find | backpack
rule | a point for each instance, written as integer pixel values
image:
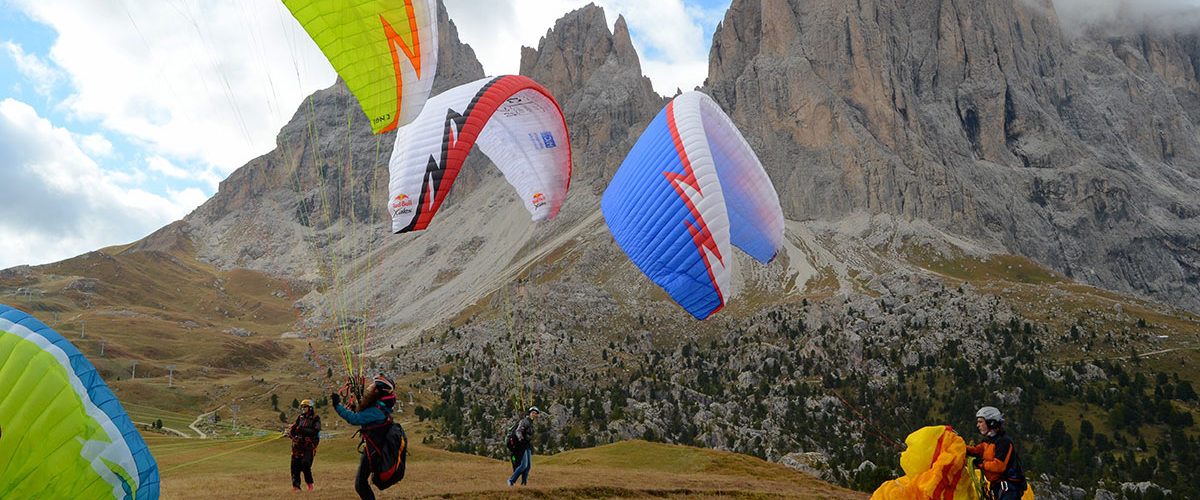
(513, 442)
(386, 448)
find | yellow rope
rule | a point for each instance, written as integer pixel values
(257, 442)
(194, 445)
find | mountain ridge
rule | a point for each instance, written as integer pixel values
(982, 118)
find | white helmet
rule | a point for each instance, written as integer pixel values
(991, 416)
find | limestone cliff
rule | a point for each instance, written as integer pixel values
(1080, 152)
(597, 78)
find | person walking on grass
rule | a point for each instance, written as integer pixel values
(997, 456)
(524, 435)
(372, 414)
(306, 435)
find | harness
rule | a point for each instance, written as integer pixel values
(386, 446)
(302, 445)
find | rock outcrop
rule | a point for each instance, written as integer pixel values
(597, 78)
(1079, 152)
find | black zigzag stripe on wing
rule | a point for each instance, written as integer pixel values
(435, 169)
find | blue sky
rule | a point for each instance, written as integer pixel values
(118, 117)
(672, 37)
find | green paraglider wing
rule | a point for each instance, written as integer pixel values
(63, 434)
(386, 51)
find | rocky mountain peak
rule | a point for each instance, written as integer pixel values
(578, 45)
(596, 76)
(983, 118)
(623, 46)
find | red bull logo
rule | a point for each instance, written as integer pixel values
(401, 204)
(539, 200)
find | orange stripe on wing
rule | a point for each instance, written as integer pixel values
(413, 55)
(941, 491)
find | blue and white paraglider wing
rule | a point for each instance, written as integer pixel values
(690, 187)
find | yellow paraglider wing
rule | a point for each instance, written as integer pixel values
(386, 51)
(934, 468)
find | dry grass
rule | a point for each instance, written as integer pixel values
(259, 469)
(824, 284)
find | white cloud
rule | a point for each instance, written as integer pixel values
(668, 34)
(497, 30)
(43, 75)
(206, 82)
(1119, 16)
(165, 167)
(186, 200)
(59, 203)
(674, 75)
(96, 145)
(674, 53)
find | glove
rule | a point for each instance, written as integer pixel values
(335, 398)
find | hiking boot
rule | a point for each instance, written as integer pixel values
(295, 488)
(509, 481)
(310, 487)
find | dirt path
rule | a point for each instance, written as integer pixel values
(168, 429)
(197, 422)
(1127, 356)
(1152, 353)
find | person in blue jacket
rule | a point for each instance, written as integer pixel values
(372, 411)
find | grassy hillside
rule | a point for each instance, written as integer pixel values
(763, 379)
(207, 341)
(257, 468)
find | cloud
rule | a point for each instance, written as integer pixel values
(669, 35)
(58, 203)
(1118, 16)
(96, 145)
(200, 82)
(211, 83)
(43, 75)
(674, 52)
(165, 167)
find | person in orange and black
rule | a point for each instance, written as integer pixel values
(306, 435)
(997, 456)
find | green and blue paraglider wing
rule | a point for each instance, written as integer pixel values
(63, 434)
